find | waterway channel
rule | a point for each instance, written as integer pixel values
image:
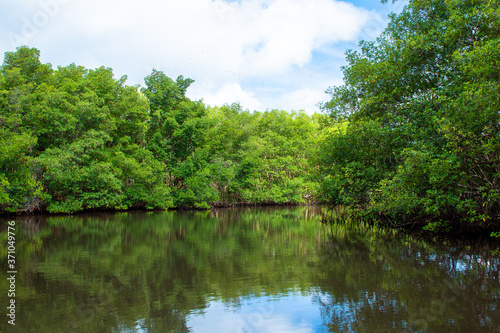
(259, 269)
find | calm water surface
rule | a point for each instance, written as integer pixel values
(243, 270)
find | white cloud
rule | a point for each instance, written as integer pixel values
(218, 43)
(303, 99)
(227, 94)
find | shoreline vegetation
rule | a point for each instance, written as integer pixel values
(411, 139)
(80, 140)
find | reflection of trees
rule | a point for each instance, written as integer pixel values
(381, 281)
(115, 272)
(103, 273)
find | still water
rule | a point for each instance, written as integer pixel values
(243, 270)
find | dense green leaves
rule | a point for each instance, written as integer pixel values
(422, 139)
(78, 139)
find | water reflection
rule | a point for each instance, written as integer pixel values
(289, 313)
(244, 270)
(391, 281)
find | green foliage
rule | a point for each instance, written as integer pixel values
(78, 177)
(74, 140)
(268, 154)
(420, 140)
(424, 182)
(79, 139)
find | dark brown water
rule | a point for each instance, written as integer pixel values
(242, 270)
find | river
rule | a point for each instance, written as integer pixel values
(262, 269)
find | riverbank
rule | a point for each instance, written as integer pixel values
(329, 215)
(421, 225)
(135, 208)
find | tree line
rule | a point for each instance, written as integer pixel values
(75, 139)
(420, 114)
(412, 137)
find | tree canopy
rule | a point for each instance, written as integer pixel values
(421, 111)
(75, 139)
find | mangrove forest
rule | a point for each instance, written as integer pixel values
(412, 137)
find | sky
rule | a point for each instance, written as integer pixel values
(263, 54)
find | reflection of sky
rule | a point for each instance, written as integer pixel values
(292, 313)
(463, 263)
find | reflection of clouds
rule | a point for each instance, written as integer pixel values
(291, 313)
(282, 324)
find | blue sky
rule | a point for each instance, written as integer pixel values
(264, 54)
